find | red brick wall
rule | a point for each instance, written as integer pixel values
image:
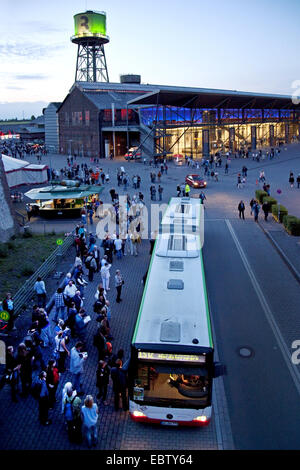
(78, 136)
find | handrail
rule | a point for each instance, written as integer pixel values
(25, 293)
(19, 214)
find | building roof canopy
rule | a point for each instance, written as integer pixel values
(204, 98)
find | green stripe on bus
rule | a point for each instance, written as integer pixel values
(204, 286)
(206, 303)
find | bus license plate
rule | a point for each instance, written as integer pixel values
(169, 423)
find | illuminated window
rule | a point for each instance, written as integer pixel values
(87, 118)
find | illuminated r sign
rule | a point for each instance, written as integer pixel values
(85, 23)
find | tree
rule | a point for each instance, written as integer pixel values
(32, 117)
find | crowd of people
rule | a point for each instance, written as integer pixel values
(20, 149)
(65, 342)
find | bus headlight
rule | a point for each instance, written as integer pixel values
(201, 419)
(138, 414)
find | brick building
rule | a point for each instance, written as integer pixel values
(99, 119)
(94, 119)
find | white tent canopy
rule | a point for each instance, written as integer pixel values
(19, 172)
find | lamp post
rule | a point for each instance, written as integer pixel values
(279, 192)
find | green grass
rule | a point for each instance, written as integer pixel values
(23, 258)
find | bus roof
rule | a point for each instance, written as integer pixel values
(174, 308)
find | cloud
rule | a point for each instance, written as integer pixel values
(41, 27)
(34, 76)
(28, 50)
(14, 88)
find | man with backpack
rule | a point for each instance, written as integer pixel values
(72, 415)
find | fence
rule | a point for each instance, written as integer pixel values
(25, 293)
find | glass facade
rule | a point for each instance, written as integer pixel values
(197, 132)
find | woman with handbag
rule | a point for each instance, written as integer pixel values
(119, 282)
(61, 351)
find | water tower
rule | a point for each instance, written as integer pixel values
(90, 36)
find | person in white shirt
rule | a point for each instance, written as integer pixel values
(105, 275)
(118, 247)
(40, 290)
(70, 291)
(103, 261)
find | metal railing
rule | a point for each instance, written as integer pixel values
(26, 292)
(21, 216)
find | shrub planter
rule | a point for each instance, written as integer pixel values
(269, 200)
(275, 208)
(260, 194)
(292, 225)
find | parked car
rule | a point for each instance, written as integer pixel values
(195, 181)
(133, 154)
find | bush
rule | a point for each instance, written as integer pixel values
(269, 200)
(292, 224)
(283, 211)
(27, 271)
(10, 245)
(27, 234)
(3, 250)
(260, 194)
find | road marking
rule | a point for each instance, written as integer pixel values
(267, 311)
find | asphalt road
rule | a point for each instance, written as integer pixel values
(254, 302)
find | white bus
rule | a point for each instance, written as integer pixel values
(172, 366)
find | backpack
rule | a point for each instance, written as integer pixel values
(68, 410)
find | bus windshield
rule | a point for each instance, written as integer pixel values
(171, 385)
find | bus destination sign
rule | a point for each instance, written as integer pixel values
(153, 356)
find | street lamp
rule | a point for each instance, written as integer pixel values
(279, 192)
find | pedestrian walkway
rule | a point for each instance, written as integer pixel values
(20, 428)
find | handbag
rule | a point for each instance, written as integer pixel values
(56, 353)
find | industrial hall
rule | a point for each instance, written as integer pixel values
(102, 119)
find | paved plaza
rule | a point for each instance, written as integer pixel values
(20, 428)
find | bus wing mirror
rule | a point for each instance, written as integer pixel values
(219, 369)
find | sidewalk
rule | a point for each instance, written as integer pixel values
(288, 246)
